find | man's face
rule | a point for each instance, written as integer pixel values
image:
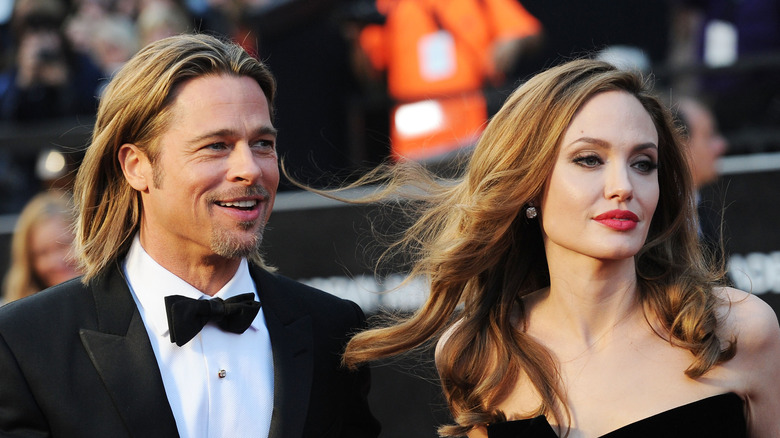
(705, 143)
(216, 175)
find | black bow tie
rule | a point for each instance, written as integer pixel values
(187, 316)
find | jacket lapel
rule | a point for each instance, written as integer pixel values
(121, 353)
(291, 341)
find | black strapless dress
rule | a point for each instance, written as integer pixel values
(720, 416)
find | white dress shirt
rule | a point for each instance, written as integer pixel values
(219, 384)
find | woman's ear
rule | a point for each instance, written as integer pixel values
(135, 166)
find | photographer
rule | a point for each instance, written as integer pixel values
(47, 79)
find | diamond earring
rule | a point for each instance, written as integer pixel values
(530, 212)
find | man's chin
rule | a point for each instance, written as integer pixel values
(236, 245)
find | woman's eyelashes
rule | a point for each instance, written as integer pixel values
(588, 160)
(643, 164)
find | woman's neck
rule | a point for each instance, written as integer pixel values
(588, 298)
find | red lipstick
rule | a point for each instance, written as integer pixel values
(620, 220)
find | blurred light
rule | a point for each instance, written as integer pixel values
(629, 58)
(6, 10)
(51, 164)
(418, 118)
(720, 44)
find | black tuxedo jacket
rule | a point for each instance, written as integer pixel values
(76, 361)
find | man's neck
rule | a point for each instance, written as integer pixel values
(208, 273)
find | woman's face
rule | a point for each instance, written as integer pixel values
(50, 247)
(603, 190)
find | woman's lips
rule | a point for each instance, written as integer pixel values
(621, 220)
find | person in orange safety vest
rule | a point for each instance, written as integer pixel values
(438, 55)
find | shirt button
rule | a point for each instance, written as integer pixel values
(221, 374)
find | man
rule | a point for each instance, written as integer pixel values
(438, 57)
(173, 195)
(705, 145)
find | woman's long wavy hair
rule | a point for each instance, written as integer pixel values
(474, 244)
(135, 108)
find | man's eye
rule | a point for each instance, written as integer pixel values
(265, 144)
(217, 146)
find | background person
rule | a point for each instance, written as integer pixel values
(705, 142)
(706, 146)
(438, 57)
(173, 195)
(587, 307)
(47, 79)
(42, 246)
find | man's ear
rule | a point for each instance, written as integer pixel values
(136, 166)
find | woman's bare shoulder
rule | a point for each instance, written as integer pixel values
(753, 323)
(747, 318)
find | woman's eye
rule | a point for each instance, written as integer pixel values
(645, 166)
(588, 161)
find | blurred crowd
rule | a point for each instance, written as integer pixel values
(361, 81)
(57, 54)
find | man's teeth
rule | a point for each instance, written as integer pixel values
(240, 204)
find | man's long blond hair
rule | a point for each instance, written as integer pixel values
(135, 108)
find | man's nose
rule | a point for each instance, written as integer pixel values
(243, 165)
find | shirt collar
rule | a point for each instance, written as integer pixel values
(151, 283)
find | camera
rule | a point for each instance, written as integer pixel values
(49, 55)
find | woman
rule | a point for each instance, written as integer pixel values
(41, 247)
(567, 257)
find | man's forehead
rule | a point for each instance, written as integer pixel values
(213, 101)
